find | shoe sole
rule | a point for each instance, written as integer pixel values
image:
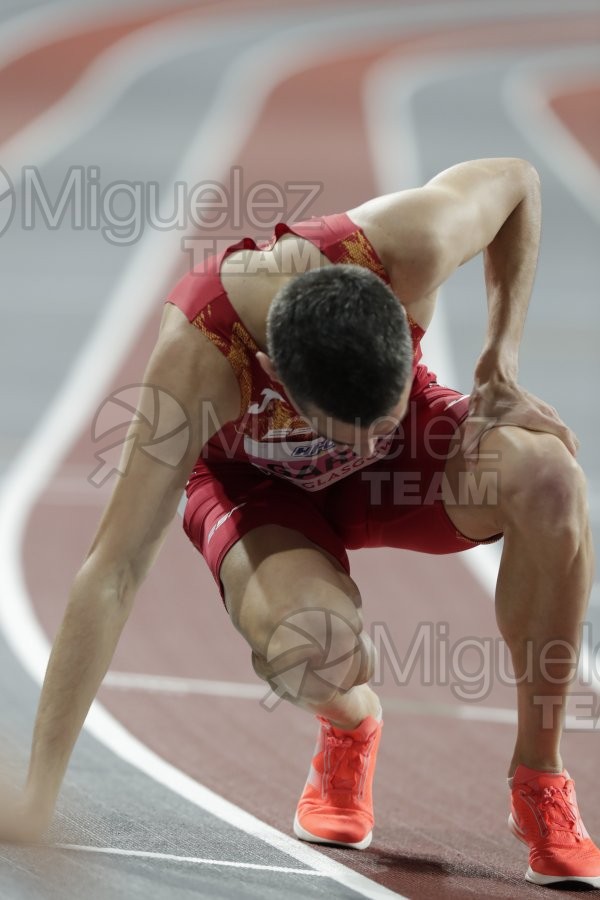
(305, 835)
(538, 878)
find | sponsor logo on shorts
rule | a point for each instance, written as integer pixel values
(221, 521)
(457, 400)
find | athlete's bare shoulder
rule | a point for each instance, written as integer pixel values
(198, 362)
(251, 278)
(398, 228)
(400, 241)
(424, 234)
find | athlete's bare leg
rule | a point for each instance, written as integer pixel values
(273, 577)
(545, 573)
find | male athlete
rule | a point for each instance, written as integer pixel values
(298, 364)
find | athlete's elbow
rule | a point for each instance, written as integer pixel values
(526, 174)
(114, 583)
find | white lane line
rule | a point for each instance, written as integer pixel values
(586, 720)
(100, 86)
(194, 860)
(169, 684)
(41, 26)
(245, 87)
(526, 97)
(121, 64)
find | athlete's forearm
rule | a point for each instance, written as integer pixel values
(97, 611)
(510, 262)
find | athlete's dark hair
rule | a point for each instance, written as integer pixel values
(339, 340)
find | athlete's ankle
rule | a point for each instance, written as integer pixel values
(538, 762)
(348, 710)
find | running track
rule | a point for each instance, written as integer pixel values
(362, 103)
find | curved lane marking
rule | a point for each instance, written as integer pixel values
(54, 434)
(193, 860)
(526, 98)
(578, 108)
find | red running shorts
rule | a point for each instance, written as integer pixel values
(395, 502)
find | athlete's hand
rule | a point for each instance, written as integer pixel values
(22, 820)
(494, 402)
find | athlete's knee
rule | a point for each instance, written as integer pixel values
(313, 651)
(306, 669)
(272, 612)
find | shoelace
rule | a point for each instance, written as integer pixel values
(345, 753)
(557, 811)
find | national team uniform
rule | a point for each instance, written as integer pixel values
(269, 467)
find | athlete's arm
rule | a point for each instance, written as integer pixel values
(423, 235)
(183, 365)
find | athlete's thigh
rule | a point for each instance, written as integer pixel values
(274, 571)
(473, 494)
(511, 461)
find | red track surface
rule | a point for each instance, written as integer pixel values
(579, 109)
(440, 795)
(39, 77)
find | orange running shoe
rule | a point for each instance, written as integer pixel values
(336, 806)
(544, 815)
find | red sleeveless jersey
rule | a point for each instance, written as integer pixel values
(268, 433)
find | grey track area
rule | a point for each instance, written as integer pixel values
(107, 803)
(54, 284)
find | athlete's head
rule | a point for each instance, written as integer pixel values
(339, 342)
